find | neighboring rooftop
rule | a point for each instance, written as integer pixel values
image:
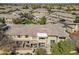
(41, 10)
(9, 15)
(75, 34)
(64, 14)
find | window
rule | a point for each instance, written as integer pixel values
(41, 44)
(18, 43)
(23, 45)
(27, 45)
(62, 37)
(52, 41)
(18, 36)
(41, 37)
(26, 36)
(34, 45)
(27, 41)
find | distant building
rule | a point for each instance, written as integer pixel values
(65, 15)
(9, 17)
(39, 13)
(71, 27)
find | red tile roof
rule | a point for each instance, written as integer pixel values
(75, 34)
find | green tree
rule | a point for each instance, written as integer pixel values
(24, 21)
(17, 21)
(6, 51)
(26, 15)
(35, 6)
(25, 7)
(62, 47)
(77, 19)
(42, 21)
(55, 49)
(40, 51)
(2, 20)
(27, 21)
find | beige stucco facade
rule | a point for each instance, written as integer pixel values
(8, 21)
(47, 40)
(45, 43)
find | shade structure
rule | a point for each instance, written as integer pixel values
(42, 35)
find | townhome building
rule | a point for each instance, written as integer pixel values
(37, 36)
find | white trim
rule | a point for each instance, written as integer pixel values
(42, 35)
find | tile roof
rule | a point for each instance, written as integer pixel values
(9, 16)
(54, 30)
(75, 34)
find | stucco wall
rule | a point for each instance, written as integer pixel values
(8, 20)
